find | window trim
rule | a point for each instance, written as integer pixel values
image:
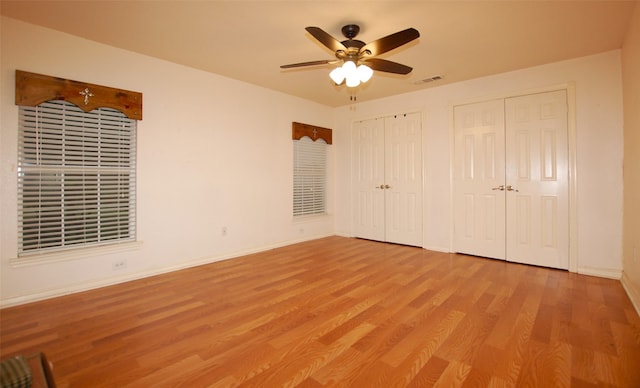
(309, 175)
(313, 132)
(33, 89)
(70, 254)
(85, 169)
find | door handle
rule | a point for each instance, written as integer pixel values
(387, 186)
(380, 187)
(509, 188)
(501, 188)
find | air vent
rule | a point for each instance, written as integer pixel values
(429, 79)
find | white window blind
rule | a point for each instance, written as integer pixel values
(76, 177)
(309, 176)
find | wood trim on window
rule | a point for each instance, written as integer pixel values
(312, 131)
(33, 89)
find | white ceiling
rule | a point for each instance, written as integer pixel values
(249, 40)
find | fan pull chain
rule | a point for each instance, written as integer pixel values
(353, 98)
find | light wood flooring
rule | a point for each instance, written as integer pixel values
(338, 312)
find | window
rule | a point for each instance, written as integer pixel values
(76, 177)
(309, 176)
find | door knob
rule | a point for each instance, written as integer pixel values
(509, 188)
(387, 186)
(501, 188)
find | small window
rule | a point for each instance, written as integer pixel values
(76, 177)
(309, 176)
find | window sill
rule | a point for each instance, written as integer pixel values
(73, 254)
(310, 217)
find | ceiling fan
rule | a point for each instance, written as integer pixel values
(359, 58)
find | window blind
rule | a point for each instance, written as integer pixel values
(76, 177)
(309, 177)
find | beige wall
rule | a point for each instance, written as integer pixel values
(631, 175)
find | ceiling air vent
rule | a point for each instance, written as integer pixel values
(429, 79)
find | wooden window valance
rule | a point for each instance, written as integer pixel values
(33, 89)
(313, 132)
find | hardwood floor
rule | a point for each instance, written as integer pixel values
(339, 312)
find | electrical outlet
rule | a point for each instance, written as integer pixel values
(119, 264)
(224, 231)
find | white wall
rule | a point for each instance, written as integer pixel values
(212, 152)
(631, 87)
(598, 88)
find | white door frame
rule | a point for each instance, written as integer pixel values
(573, 179)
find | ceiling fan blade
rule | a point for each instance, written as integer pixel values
(387, 66)
(390, 42)
(312, 63)
(329, 41)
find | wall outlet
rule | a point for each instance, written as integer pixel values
(223, 232)
(119, 264)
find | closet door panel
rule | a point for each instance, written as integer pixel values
(368, 172)
(478, 178)
(403, 183)
(537, 196)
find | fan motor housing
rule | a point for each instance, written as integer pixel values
(350, 31)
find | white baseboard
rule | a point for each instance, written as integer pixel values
(437, 249)
(633, 293)
(609, 273)
(53, 293)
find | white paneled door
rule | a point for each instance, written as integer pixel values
(511, 182)
(537, 179)
(368, 175)
(479, 174)
(388, 179)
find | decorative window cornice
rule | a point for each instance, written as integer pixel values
(33, 89)
(313, 132)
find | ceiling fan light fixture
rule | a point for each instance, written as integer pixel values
(349, 72)
(349, 68)
(337, 75)
(364, 73)
(352, 81)
(352, 74)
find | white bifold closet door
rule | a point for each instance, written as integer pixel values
(511, 181)
(387, 175)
